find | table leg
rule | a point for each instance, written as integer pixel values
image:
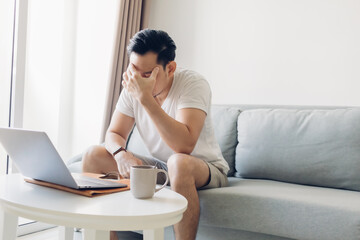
(8, 225)
(66, 233)
(154, 234)
(91, 234)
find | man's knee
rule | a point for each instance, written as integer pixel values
(180, 168)
(179, 162)
(91, 156)
(187, 170)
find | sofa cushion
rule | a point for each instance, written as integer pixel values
(282, 209)
(225, 121)
(74, 164)
(315, 147)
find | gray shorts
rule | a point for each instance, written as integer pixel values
(217, 178)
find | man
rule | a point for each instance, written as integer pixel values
(171, 109)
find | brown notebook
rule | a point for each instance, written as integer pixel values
(85, 192)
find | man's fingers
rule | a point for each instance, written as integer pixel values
(125, 173)
(154, 72)
(131, 69)
(128, 73)
(125, 76)
(122, 170)
(138, 161)
(125, 81)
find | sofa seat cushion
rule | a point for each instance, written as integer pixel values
(74, 164)
(315, 147)
(282, 209)
(216, 233)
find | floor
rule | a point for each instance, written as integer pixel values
(49, 234)
(53, 234)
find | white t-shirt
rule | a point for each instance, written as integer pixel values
(188, 90)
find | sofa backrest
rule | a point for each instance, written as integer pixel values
(225, 119)
(312, 145)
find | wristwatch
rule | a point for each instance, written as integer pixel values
(118, 150)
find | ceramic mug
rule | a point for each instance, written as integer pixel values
(143, 181)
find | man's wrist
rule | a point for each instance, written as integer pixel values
(145, 98)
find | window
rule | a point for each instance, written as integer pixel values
(6, 32)
(61, 70)
(69, 56)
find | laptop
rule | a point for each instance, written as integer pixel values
(36, 157)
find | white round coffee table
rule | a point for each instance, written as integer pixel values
(97, 215)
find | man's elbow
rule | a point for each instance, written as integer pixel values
(185, 149)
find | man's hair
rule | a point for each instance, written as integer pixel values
(156, 41)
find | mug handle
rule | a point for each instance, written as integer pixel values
(167, 179)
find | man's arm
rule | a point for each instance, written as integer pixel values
(180, 134)
(116, 136)
(118, 131)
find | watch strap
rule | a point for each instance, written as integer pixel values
(118, 150)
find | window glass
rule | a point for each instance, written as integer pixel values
(68, 66)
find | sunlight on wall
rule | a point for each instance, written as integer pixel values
(268, 52)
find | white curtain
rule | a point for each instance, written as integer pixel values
(133, 17)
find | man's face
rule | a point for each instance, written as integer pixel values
(145, 64)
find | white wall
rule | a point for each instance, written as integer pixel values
(302, 52)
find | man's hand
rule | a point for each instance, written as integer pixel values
(124, 162)
(139, 87)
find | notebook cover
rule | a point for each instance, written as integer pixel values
(85, 192)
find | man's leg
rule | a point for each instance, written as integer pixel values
(98, 160)
(187, 174)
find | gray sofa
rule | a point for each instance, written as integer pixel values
(294, 174)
